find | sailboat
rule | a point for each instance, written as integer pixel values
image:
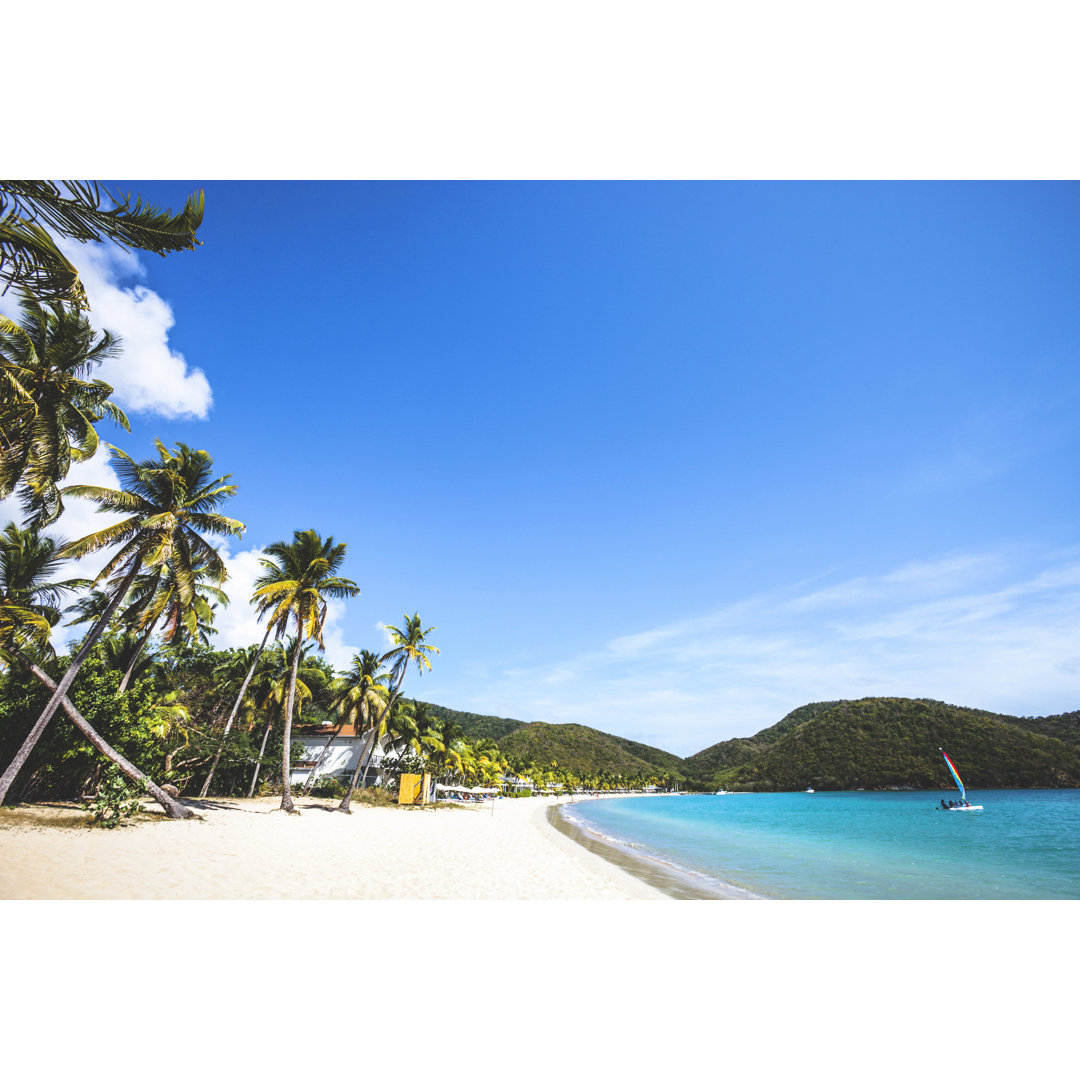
(959, 784)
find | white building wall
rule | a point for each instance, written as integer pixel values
(344, 753)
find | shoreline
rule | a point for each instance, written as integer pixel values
(675, 882)
(239, 849)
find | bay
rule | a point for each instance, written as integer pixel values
(851, 845)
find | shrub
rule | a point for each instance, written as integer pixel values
(116, 799)
(327, 787)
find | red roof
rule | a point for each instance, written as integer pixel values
(323, 731)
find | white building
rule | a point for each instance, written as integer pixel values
(344, 753)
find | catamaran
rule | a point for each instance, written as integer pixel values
(959, 784)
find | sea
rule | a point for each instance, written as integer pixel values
(847, 845)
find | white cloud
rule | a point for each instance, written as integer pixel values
(968, 629)
(148, 376)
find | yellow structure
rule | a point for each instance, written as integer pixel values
(410, 790)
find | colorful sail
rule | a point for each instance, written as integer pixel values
(955, 774)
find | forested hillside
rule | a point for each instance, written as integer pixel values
(893, 742)
(473, 725)
(830, 745)
(584, 749)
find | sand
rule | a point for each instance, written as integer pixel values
(249, 850)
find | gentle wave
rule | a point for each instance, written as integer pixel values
(639, 858)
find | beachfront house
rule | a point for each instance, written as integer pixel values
(344, 753)
(516, 783)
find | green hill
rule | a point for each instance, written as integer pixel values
(831, 745)
(584, 749)
(474, 725)
(893, 742)
(707, 764)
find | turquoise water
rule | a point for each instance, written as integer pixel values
(855, 845)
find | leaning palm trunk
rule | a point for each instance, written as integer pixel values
(370, 760)
(286, 747)
(258, 763)
(232, 716)
(171, 807)
(135, 659)
(61, 689)
(322, 757)
(367, 750)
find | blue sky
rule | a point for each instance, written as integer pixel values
(668, 459)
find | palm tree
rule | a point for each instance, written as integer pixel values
(273, 572)
(29, 597)
(29, 604)
(270, 690)
(83, 211)
(187, 613)
(409, 647)
(362, 689)
(89, 608)
(48, 405)
(169, 502)
(125, 654)
(454, 757)
(410, 727)
(305, 573)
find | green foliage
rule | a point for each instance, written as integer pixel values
(327, 787)
(891, 743)
(582, 750)
(473, 725)
(63, 764)
(33, 212)
(116, 799)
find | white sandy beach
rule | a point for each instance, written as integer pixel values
(248, 850)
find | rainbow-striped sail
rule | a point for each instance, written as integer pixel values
(955, 774)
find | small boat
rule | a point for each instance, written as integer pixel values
(723, 792)
(809, 791)
(960, 784)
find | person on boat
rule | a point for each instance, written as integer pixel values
(943, 806)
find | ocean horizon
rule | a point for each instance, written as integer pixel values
(844, 845)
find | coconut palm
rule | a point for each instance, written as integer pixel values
(124, 653)
(454, 758)
(286, 666)
(304, 574)
(169, 503)
(361, 691)
(410, 727)
(409, 646)
(90, 607)
(187, 614)
(29, 600)
(48, 404)
(273, 573)
(28, 563)
(32, 212)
